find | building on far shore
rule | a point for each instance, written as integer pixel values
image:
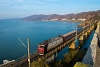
(81, 19)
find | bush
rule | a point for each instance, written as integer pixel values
(39, 63)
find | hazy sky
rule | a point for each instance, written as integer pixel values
(23, 8)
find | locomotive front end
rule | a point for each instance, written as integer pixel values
(41, 49)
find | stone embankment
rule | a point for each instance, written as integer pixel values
(97, 59)
(92, 56)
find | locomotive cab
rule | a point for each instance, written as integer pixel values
(41, 49)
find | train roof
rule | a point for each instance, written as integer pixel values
(53, 39)
(68, 33)
(50, 40)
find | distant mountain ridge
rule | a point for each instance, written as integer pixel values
(68, 17)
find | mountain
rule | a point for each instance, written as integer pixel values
(68, 17)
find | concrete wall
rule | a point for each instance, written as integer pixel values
(90, 56)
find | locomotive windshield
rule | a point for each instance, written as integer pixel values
(41, 46)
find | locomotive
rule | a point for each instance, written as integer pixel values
(47, 45)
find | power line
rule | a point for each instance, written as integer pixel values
(22, 43)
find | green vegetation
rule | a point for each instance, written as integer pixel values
(79, 64)
(70, 55)
(59, 63)
(39, 63)
(77, 58)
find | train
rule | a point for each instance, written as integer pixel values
(47, 45)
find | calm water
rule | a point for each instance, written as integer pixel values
(10, 31)
(88, 42)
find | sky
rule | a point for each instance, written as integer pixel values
(23, 8)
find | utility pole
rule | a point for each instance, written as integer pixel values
(83, 29)
(76, 33)
(28, 52)
(90, 24)
(27, 49)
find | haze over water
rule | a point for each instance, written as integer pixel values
(11, 48)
